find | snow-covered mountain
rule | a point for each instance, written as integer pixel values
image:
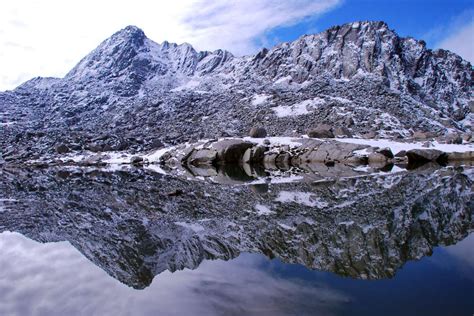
(132, 93)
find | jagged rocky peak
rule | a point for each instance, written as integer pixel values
(130, 54)
(340, 51)
(371, 48)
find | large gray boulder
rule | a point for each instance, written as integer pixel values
(254, 154)
(342, 132)
(329, 152)
(231, 150)
(465, 156)
(258, 132)
(426, 155)
(321, 131)
(453, 139)
(204, 156)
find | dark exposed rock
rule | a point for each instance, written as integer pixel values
(231, 150)
(465, 156)
(176, 192)
(254, 154)
(203, 156)
(258, 132)
(423, 135)
(136, 160)
(369, 135)
(62, 149)
(453, 139)
(387, 152)
(342, 132)
(321, 131)
(426, 155)
(401, 153)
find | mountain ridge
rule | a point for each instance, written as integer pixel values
(386, 84)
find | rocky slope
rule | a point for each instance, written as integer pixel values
(135, 224)
(133, 94)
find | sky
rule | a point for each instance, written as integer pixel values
(48, 37)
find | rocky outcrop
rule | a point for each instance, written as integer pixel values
(238, 151)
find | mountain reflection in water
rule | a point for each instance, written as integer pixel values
(138, 224)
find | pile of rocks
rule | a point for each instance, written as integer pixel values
(302, 151)
(298, 153)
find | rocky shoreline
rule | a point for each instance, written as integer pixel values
(245, 159)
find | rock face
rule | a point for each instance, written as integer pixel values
(137, 224)
(131, 93)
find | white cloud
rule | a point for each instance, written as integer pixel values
(55, 279)
(48, 38)
(457, 35)
(461, 42)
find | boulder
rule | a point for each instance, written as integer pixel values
(176, 192)
(231, 150)
(321, 131)
(156, 143)
(136, 160)
(348, 121)
(401, 153)
(465, 156)
(62, 149)
(467, 137)
(419, 135)
(425, 155)
(258, 132)
(282, 161)
(330, 151)
(369, 135)
(342, 132)
(94, 147)
(387, 152)
(453, 139)
(269, 160)
(254, 154)
(93, 161)
(376, 157)
(204, 156)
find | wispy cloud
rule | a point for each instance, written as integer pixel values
(55, 279)
(237, 25)
(461, 42)
(60, 33)
(457, 36)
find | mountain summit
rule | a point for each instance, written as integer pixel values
(133, 93)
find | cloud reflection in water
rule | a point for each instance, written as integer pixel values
(55, 279)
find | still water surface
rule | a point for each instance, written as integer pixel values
(55, 279)
(101, 242)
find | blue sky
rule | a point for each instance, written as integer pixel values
(48, 37)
